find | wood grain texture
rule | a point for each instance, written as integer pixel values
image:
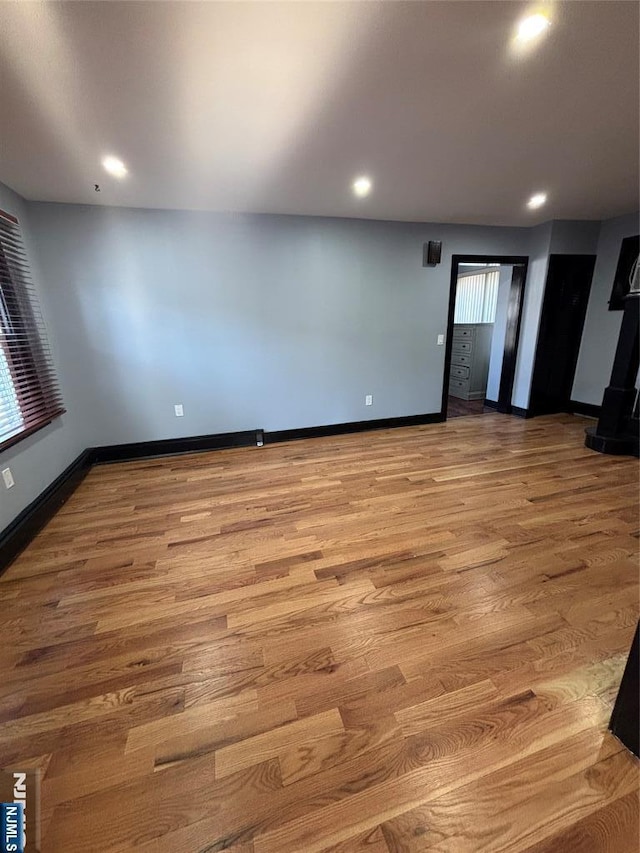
(401, 640)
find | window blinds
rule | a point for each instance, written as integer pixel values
(29, 393)
(477, 297)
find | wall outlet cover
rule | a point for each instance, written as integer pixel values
(440, 340)
(368, 400)
(7, 476)
(179, 410)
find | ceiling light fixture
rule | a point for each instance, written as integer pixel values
(536, 201)
(362, 186)
(532, 26)
(114, 166)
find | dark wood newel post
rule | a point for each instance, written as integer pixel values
(617, 429)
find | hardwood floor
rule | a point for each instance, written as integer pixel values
(458, 408)
(401, 640)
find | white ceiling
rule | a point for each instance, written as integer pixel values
(276, 107)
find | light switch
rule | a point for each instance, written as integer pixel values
(440, 340)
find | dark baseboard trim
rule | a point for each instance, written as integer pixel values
(503, 408)
(351, 426)
(24, 527)
(521, 413)
(18, 534)
(575, 407)
(172, 446)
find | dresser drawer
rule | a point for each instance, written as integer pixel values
(460, 359)
(456, 384)
(462, 332)
(459, 371)
(461, 346)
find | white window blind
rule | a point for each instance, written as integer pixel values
(10, 415)
(477, 297)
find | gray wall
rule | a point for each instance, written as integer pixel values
(574, 238)
(499, 330)
(538, 251)
(248, 321)
(36, 461)
(602, 326)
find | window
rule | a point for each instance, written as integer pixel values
(29, 395)
(477, 297)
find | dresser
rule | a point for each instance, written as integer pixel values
(470, 360)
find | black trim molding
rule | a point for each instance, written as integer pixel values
(520, 264)
(503, 408)
(171, 446)
(590, 410)
(573, 407)
(24, 527)
(521, 413)
(352, 426)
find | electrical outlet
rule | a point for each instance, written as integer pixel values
(440, 340)
(368, 400)
(7, 476)
(179, 410)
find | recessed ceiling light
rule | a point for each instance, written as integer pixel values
(532, 26)
(114, 166)
(537, 200)
(362, 186)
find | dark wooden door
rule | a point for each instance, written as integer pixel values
(563, 311)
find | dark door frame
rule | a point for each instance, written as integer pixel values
(515, 305)
(548, 356)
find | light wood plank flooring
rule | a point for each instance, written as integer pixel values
(457, 408)
(401, 640)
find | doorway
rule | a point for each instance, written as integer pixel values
(561, 324)
(485, 311)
